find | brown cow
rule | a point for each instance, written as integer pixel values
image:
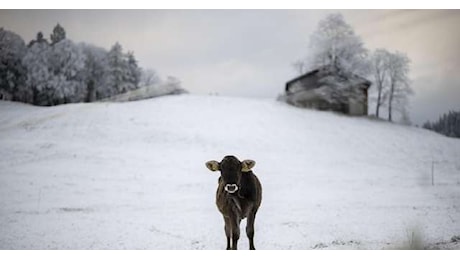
(238, 196)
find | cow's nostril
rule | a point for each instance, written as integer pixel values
(231, 188)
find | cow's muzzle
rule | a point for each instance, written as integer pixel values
(231, 188)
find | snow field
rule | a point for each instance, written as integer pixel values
(132, 176)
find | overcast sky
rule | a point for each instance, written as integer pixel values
(250, 52)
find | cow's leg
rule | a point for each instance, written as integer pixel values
(228, 231)
(235, 232)
(250, 229)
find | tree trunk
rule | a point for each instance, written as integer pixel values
(34, 96)
(378, 102)
(90, 95)
(380, 81)
(390, 102)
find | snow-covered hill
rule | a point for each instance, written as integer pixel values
(132, 176)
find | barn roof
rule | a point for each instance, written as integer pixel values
(328, 71)
(310, 73)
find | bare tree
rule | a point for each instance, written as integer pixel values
(391, 80)
(399, 83)
(149, 78)
(379, 61)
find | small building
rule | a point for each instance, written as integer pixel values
(327, 88)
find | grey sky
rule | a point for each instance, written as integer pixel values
(249, 52)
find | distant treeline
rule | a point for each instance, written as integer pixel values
(57, 71)
(447, 124)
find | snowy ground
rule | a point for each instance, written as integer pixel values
(132, 176)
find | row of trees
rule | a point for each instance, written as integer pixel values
(447, 124)
(335, 43)
(390, 77)
(60, 71)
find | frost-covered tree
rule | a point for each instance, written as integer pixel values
(148, 78)
(66, 63)
(399, 83)
(134, 72)
(54, 73)
(339, 56)
(118, 68)
(38, 39)
(58, 34)
(335, 43)
(172, 85)
(39, 76)
(124, 73)
(63, 72)
(12, 71)
(96, 73)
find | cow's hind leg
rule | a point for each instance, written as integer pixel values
(228, 231)
(250, 229)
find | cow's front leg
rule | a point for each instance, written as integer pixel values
(235, 232)
(228, 231)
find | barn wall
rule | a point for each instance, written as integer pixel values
(356, 108)
(299, 94)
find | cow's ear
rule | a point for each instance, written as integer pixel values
(247, 165)
(213, 165)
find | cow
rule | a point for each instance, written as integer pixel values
(238, 196)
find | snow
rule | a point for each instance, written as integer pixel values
(132, 176)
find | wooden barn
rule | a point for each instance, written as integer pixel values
(326, 88)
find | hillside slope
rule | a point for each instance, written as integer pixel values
(132, 176)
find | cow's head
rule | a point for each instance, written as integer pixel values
(231, 170)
